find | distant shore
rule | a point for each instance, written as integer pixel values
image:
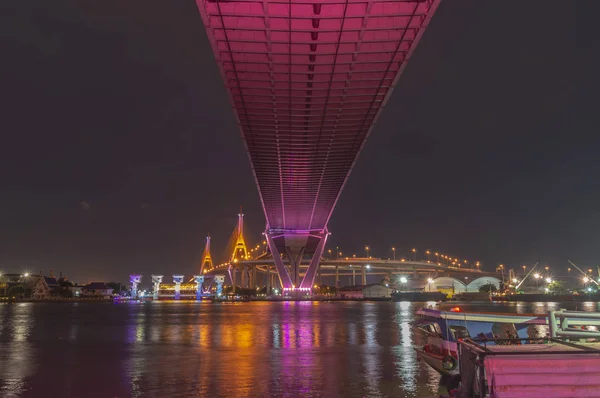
(408, 298)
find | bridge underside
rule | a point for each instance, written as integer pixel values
(307, 79)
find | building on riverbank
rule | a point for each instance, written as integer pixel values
(365, 292)
(45, 287)
(96, 289)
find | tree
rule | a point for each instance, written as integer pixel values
(556, 287)
(16, 291)
(115, 286)
(489, 288)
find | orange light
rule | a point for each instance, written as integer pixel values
(455, 309)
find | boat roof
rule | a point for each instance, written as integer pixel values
(534, 319)
(544, 348)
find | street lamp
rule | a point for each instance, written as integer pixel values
(329, 251)
(537, 276)
(428, 255)
(414, 254)
(367, 250)
(394, 252)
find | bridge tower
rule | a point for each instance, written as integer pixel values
(207, 262)
(240, 250)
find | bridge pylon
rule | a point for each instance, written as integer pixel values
(240, 251)
(207, 262)
(295, 245)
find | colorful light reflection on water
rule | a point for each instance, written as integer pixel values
(349, 349)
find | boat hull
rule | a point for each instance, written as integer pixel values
(435, 361)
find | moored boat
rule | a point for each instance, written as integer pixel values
(444, 329)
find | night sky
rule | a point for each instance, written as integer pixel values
(120, 151)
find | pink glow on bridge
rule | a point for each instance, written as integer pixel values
(307, 80)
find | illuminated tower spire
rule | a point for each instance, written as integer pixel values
(207, 262)
(239, 248)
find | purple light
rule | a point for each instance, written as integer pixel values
(302, 289)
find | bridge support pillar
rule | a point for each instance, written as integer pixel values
(177, 280)
(337, 277)
(219, 280)
(295, 244)
(234, 280)
(199, 281)
(268, 280)
(244, 277)
(135, 280)
(156, 281)
(363, 272)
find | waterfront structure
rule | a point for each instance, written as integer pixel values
(467, 284)
(96, 290)
(219, 280)
(45, 287)
(75, 290)
(308, 81)
(351, 292)
(135, 280)
(156, 281)
(376, 291)
(10, 283)
(199, 281)
(177, 280)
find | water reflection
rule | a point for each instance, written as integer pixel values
(183, 349)
(17, 361)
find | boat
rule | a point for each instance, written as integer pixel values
(444, 329)
(552, 368)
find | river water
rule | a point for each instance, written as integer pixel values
(189, 349)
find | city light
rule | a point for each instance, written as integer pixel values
(26, 274)
(429, 280)
(549, 280)
(368, 266)
(515, 280)
(403, 279)
(537, 276)
(586, 279)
